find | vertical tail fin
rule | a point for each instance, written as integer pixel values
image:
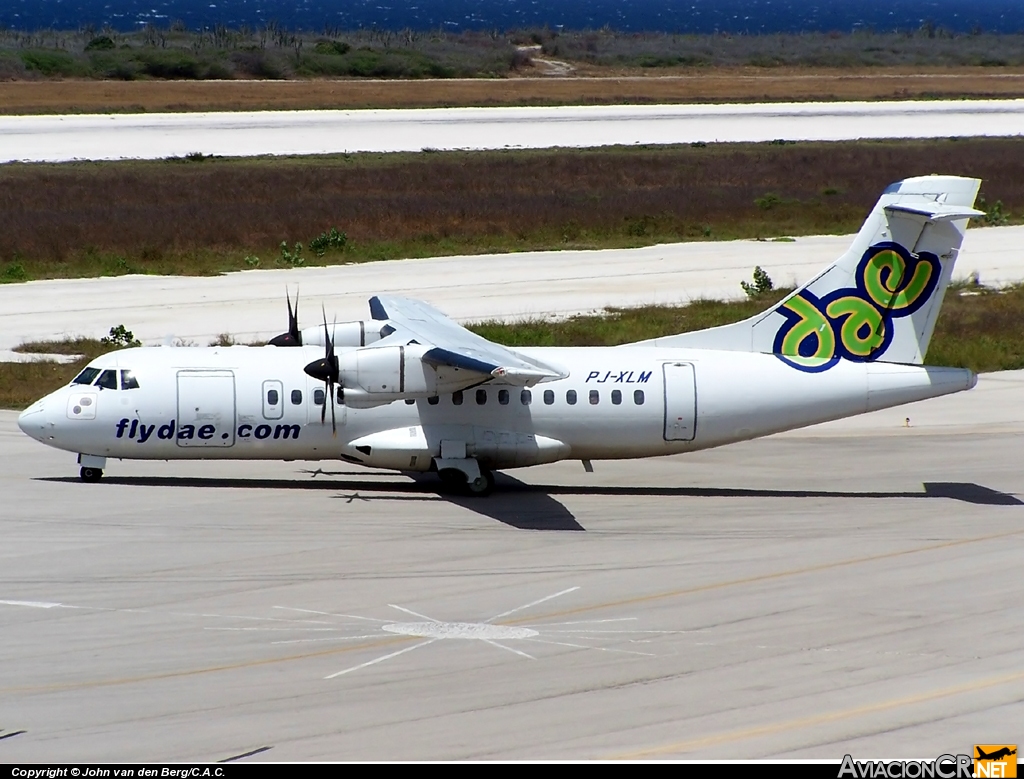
(880, 300)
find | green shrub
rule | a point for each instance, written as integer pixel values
(100, 43)
(768, 201)
(332, 48)
(120, 337)
(14, 271)
(293, 256)
(52, 63)
(762, 284)
(324, 242)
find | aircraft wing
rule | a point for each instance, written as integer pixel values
(453, 345)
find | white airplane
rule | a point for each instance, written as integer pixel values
(413, 391)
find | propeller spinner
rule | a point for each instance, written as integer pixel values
(294, 336)
(326, 370)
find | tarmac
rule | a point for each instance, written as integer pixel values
(850, 588)
(159, 135)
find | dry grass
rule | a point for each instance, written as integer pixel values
(198, 217)
(628, 85)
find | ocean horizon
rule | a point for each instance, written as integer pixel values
(691, 16)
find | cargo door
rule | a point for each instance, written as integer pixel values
(206, 408)
(680, 401)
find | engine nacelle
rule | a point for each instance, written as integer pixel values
(358, 333)
(385, 373)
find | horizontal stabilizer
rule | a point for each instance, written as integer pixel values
(935, 212)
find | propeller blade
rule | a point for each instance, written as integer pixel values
(326, 370)
(294, 336)
(334, 426)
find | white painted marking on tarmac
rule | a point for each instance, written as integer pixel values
(32, 604)
(480, 631)
(508, 649)
(533, 603)
(413, 613)
(330, 614)
(380, 659)
(328, 638)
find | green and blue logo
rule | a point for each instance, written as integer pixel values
(856, 323)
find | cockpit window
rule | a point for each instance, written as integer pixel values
(107, 380)
(86, 376)
(128, 381)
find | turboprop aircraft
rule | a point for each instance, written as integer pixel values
(411, 390)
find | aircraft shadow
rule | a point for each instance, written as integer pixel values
(532, 506)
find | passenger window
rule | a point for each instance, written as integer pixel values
(616, 397)
(638, 397)
(128, 381)
(503, 397)
(549, 397)
(296, 397)
(526, 397)
(86, 376)
(434, 400)
(570, 397)
(318, 397)
(272, 397)
(481, 397)
(595, 397)
(107, 380)
(457, 398)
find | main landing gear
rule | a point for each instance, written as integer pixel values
(482, 485)
(465, 474)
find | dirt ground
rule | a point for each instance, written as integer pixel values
(666, 86)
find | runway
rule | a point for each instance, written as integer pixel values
(155, 136)
(250, 304)
(848, 588)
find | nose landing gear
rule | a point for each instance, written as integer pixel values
(92, 467)
(91, 475)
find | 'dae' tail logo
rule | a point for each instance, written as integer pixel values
(995, 760)
(856, 323)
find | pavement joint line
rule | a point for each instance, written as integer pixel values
(757, 579)
(819, 719)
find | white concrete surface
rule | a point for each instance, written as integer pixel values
(801, 596)
(250, 304)
(154, 136)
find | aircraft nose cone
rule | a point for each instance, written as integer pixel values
(32, 420)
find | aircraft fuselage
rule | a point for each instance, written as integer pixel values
(258, 403)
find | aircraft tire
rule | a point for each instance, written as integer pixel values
(482, 486)
(91, 475)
